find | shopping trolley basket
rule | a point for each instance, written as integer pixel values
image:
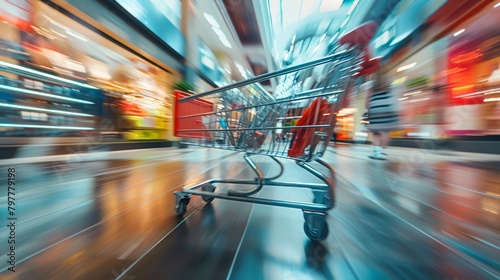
(244, 117)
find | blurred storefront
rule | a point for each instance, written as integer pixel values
(449, 87)
(58, 77)
(473, 75)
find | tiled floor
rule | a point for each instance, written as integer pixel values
(420, 215)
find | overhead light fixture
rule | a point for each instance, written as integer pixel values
(44, 126)
(406, 67)
(328, 6)
(222, 36)
(44, 110)
(334, 37)
(353, 6)
(57, 33)
(32, 92)
(413, 93)
(28, 70)
(77, 36)
(242, 70)
(322, 38)
(345, 21)
(497, 5)
(419, 100)
(459, 32)
(492, 99)
(65, 28)
(211, 20)
(219, 32)
(225, 42)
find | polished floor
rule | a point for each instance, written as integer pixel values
(423, 214)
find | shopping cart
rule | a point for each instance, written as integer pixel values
(245, 117)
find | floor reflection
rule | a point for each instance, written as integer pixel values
(399, 219)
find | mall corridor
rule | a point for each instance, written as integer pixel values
(250, 139)
(422, 215)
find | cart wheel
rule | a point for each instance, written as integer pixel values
(316, 234)
(208, 188)
(181, 206)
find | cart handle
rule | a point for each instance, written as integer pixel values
(267, 76)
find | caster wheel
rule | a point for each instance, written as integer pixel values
(181, 206)
(208, 188)
(316, 234)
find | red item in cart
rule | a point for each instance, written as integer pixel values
(315, 114)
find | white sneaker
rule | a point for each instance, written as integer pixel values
(381, 156)
(378, 154)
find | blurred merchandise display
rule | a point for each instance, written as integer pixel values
(59, 78)
(448, 88)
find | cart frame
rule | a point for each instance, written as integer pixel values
(346, 66)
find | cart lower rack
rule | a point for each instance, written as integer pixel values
(295, 123)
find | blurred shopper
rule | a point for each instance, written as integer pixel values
(383, 116)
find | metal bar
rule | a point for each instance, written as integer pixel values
(315, 172)
(296, 185)
(266, 182)
(282, 203)
(282, 168)
(269, 75)
(259, 180)
(280, 101)
(223, 181)
(255, 128)
(329, 180)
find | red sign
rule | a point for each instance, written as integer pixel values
(17, 12)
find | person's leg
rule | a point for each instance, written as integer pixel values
(378, 143)
(376, 139)
(384, 139)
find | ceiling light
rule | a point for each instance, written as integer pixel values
(353, 7)
(492, 99)
(44, 110)
(219, 32)
(497, 5)
(225, 42)
(459, 32)
(413, 93)
(32, 92)
(44, 126)
(334, 37)
(58, 33)
(211, 20)
(77, 36)
(330, 5)
(345, 21)
(419, 100)
(406, 67)
(322, 38)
